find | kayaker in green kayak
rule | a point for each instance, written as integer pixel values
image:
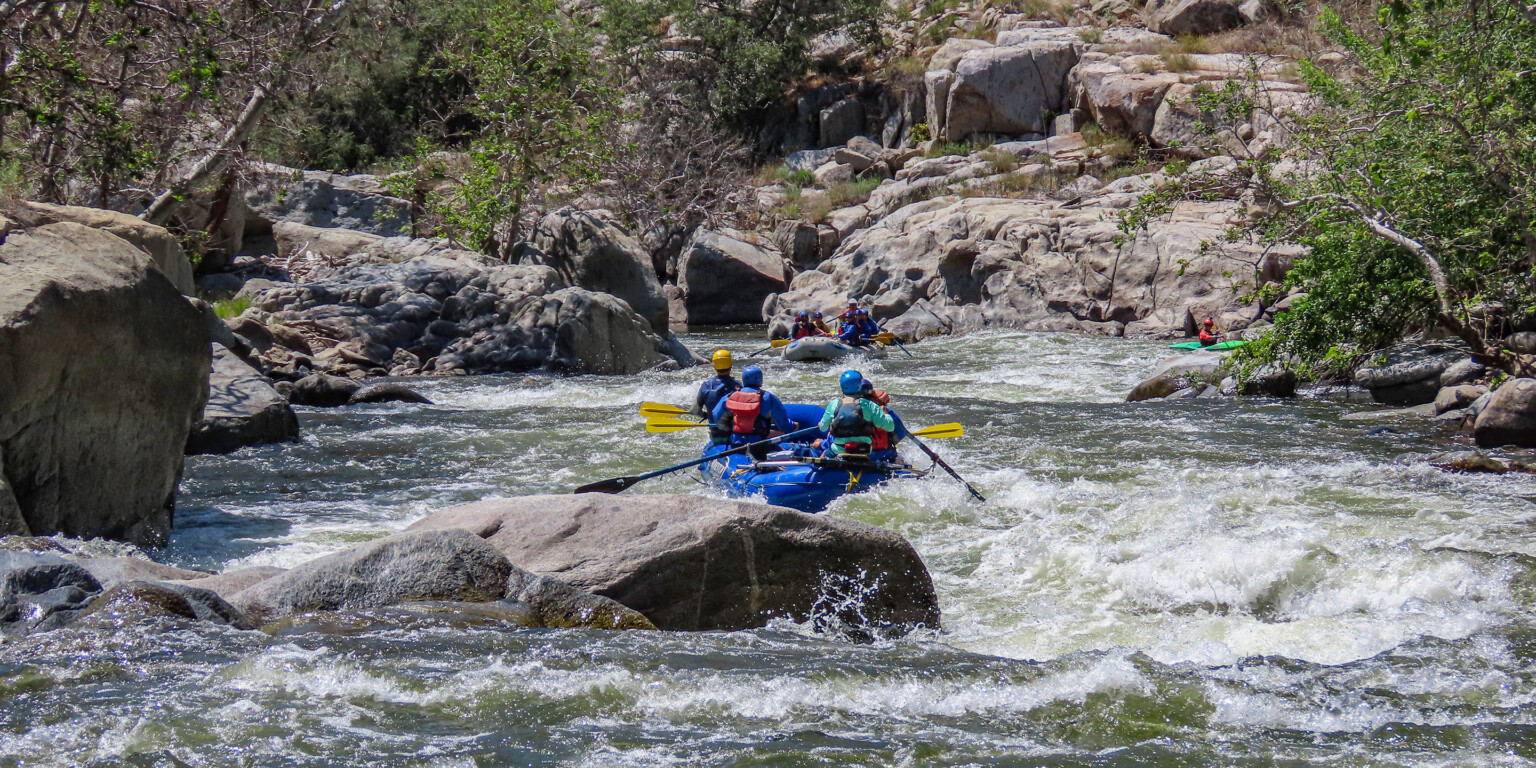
(851, 420)
(1208, 334)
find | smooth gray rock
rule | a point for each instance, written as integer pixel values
(406, 567)
(1465, 371)
(1194, 17)
(1409, 373)
(554, 603)
(387, 393)
(162, 247)
(1457, 397)
(591, 253)
(1509, 417)
(103, 370)
(725, 279)
(809, 159)
(1177, 373)
(242, 410)
(323, 390)
(226, 585)
(112, 571)
(696, 563)
(1270, 380)
(841, 121)
(1009, 90)
(327, 200)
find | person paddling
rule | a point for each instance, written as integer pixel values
(1208, 334)
(882, 444)
(821, 325)
(712, 391)
(851, 420)
(803, 327)
(751, 413)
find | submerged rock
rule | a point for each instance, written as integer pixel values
(41, 591)
(103, 371)
(135, 602)
(1178, 373)
(695, 563)
(387, 393)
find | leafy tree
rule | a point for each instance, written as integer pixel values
(1411, 175)
(731, 58)
(539, 105)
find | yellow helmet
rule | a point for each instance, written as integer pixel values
(722, 360)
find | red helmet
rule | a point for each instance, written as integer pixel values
(1209, 321)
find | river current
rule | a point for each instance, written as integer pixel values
(1187, 583)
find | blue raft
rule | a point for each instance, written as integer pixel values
(809, 485)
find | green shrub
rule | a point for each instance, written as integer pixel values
(945, 148)
(231, 308)
(795, 178)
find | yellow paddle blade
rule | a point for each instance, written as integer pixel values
(941, 431)
(776, 343)
(661, 409)
(884, 338)
(665, 424)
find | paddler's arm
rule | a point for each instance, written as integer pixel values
(878, 415)
(779, 414)
(714, 416)
(900, 431)
(826, 418)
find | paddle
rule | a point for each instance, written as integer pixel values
(886, 337)
(947, 467)
(614, 485)
(662, 424)
(662, 409)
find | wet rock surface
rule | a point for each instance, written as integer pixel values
(694, 563)
(243, 409)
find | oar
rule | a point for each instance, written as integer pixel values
(662, 424)
(947, 467)
(662, 409)
(775, 344)
(941, 431)
(668, 424)
(886, 337)
(617, 484)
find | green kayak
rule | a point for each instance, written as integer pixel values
(1219, 346)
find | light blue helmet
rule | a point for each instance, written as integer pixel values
(851, 382)
(752, 377)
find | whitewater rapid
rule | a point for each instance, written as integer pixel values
(1192, 582)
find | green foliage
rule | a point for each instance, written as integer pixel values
(229, 309)
(541, 104)
(1418, 208)
(920, 133)
(795, 178)
(945, 148)
(747, 52)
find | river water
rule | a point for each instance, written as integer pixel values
(1213, 582)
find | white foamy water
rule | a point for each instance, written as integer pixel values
(1191, 583)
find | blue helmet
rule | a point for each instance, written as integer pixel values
(752, 377)
(851, 382)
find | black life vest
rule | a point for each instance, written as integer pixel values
(849, 420)
(746, 408)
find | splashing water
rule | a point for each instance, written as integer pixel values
(1211, 582)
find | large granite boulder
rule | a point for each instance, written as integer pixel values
(103, 371)
(951, 265)
(1509, 417)
(1008, 89)
(163, 248)
(447, 312)
(589, 252)
(1120, 102)
(1194, 17)
(725, 279)
(242, 410)
(1177, 373)
(697, 563)
(1409, 373)
(320, 199)
(406, 567)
